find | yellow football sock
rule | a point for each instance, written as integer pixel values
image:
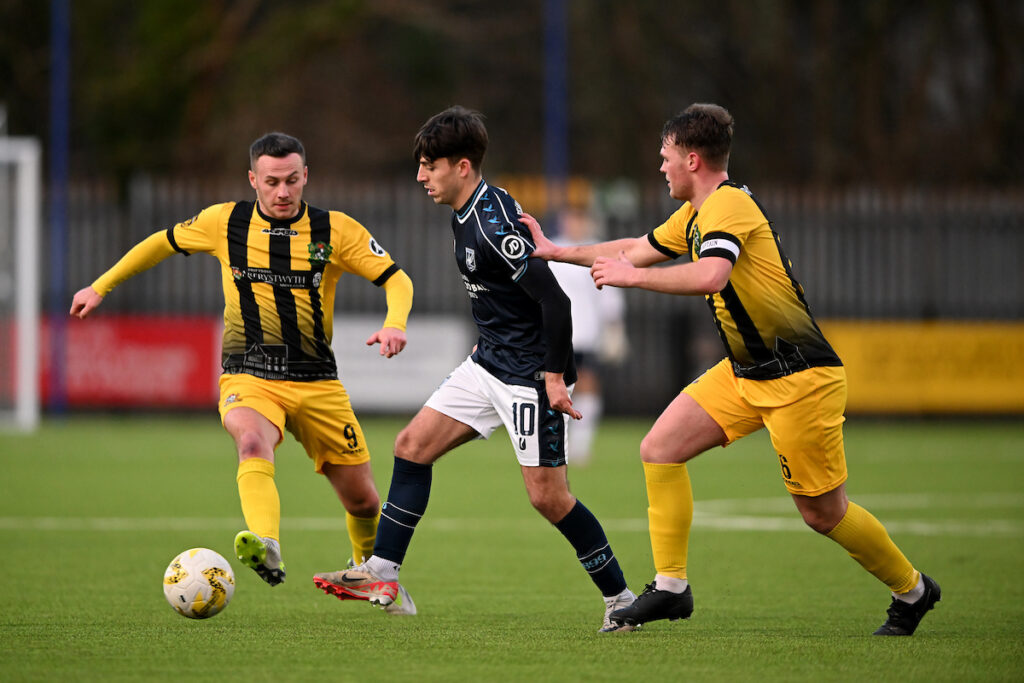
(669, 515)
(261, 505)
(868, 542)
(362, 531)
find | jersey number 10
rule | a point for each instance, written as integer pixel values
(524, 417)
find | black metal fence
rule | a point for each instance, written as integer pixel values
(864, 253)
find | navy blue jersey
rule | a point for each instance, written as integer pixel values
(492, 249)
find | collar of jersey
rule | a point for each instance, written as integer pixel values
(463, 213)
(283, 221)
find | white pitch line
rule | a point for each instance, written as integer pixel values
(701, 520)
(989, 527)
(872, 501)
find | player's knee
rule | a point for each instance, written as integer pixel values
(647, 449)
(655, 451)
(404, 444)
(822, 521)
(822, 513)
(553, 507)
(545, 506)
(409, 444)
(252, 445)
(366, 505)
(364, 501)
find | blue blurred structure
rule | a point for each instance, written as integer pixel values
(56, 249)
(556, 104)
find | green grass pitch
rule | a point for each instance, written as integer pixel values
(93, 508)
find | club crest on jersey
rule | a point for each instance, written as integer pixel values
(319, 252)
(513, 247)
(236, 272)
(695, 239)
(470, 259)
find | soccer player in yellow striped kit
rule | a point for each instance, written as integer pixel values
(280, 264)
(779, 373)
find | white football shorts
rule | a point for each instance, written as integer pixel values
(477, 398)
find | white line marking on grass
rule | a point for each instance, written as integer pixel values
(118, 523)
(872, 501)
(990, 527)
(703, 519)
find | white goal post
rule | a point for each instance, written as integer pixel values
(20, 226)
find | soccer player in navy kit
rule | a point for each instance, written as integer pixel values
(519, 375)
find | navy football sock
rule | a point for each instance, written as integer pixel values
(595, 554)
(407, 501)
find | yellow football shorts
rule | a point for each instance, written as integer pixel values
(803, 413)
(318, 414)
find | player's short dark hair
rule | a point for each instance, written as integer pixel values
(705, 129)
(275, 145)
(456, 133)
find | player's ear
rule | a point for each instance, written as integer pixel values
(252, 179)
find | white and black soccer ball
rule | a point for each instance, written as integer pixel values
(199, 583)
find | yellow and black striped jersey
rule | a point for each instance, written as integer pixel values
(279, 279)
(761, 314)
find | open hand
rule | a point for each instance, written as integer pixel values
(544, 248)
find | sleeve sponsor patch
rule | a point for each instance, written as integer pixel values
(376, 249)
(513, 247)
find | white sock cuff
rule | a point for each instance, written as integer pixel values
(912, 595)
(670, 584)
(385, 569)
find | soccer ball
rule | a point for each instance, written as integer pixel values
(199, 583)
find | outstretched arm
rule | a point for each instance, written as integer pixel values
(391, 336)
(637, 249)
(142, 256)
(705, 276)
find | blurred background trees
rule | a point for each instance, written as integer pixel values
(881, 92)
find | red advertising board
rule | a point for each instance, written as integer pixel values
(128, 361)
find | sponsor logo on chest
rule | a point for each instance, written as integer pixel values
(279, 232)
(295, 279)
